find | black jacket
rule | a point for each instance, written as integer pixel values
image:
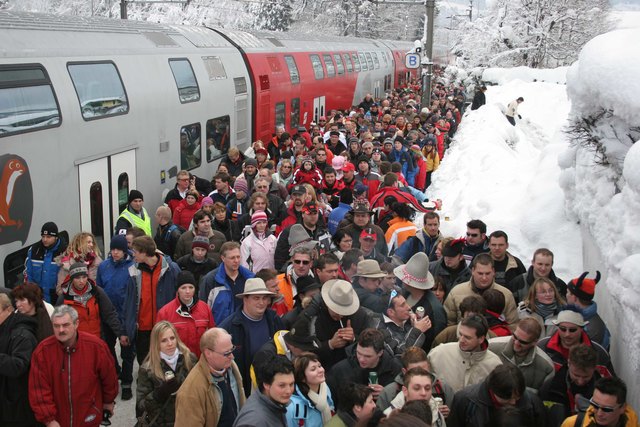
(17, 342)
(234, 324)
(472, 407)
(450, 277)
(478, 100)
(199, 269)
(167, 237)
(521, 284)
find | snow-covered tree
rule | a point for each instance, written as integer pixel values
(273, 15)
(535, 33)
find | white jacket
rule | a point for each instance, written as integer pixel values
(512, 108)
(260, 251)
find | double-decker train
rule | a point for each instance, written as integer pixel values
(91, 108)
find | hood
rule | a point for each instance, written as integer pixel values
(20, 321)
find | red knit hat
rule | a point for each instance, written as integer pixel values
(257, 217)
(584, 288)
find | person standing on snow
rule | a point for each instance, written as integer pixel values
(512, 110)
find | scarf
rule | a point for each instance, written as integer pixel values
(546, 310)
(171, 359)
(321, 403)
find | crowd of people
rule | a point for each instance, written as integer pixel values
(298, 288)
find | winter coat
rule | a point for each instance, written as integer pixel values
(302, 412)
(17, 343)
(219, 292)
(292, 217)
(452, 334)
(451, 278)
(261, 411)
(285, 286)
(404, 158)
(235, 325)
(108, 317)
(520, 285)
(167, 237)
(377, 203)
(256, 253)
(548, 328)
(628, 419)
(312, 177)
(459, 292)
(508, 269)
(398, 338)
(190, 324)
(216, 239)
(165, 291)
(333, 192)
(399, 400)
(341, 419)
(113, 277)
(235, 169)
(230, 228)
(459, 368)
(559, 355)
(336, 216)
(421, 242)
(148, 400)
(479, 99)
(596, 329)
(199, 399)
(420, 181)
(439, 389)
(473, 407)
(173, 198)
(319, 234)
(216, 196)
(470, 251)
(559, 393)
(399, 231)
(536, 367)
(41, 268)
(434, 309)
(368, 299)
(71, 385)
(432, 161)
(512, 109)
(236, 207)
(199, 269)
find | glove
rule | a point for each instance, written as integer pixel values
(519, 116)
(166, 389)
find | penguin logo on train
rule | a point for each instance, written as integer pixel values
(16, 199)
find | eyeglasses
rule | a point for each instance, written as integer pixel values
(301, 261)
(565, 329)
(521, 341)
(606, 409)
(393, 294)
(226, 353)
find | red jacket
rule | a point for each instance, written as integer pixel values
(301, 176)
(90, 371)
(183, 215)
(292, 217)
(401, 196)
(421, 176)
(190, 326)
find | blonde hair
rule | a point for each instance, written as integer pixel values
(78, 245)
(153, 362)
(311, 192)
(530, 300)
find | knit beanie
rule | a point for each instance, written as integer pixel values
(257, 217)
(119, 241)
(241, 185)
(200, 242)
(186, 277)
(134, 194)
(207, 201)
(49, 229)
(78, 269)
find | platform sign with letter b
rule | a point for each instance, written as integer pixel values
(412, 60)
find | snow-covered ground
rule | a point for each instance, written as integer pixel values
(530, 182)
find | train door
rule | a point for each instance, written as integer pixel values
(318, 108)
(376, 89)
(104, 188)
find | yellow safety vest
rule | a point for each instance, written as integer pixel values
(136, 221)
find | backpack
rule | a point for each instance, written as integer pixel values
(172, 227)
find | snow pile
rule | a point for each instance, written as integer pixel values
(508, 176)
(503, 75)
(601, 180)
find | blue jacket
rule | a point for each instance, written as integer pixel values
(596, 329)
(235, 325)
(113, 277)
(404, 158)
(421, 242)
(219, 292)
(336, 216)
(165, 291)
(302, 412)
(41, 267)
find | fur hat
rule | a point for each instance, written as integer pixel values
(584, 288)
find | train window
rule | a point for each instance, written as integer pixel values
(99, 89)
(348, 63)
(318, 71)
(186, 82)
(218, 137)
(363, 61)
(240, 84)
(274, 63)
(214, 67)
(295, 113)
(339, 64)
(293, 69)
(27, 100)
(328, 62)
(190, 156)
(356, 61)
(280, 112)
(384, 59)
(123, 191)
(375, 59)
(369, 60)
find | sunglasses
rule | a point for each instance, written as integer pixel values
(565, 329)
(606, 409)
(521, 341)
(472, 234)
(393, 294)
(226, 353)
(301, 261)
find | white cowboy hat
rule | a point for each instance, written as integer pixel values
(415, 272)
(340, 297)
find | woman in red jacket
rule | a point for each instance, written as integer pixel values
(190, 316)
(183, 215)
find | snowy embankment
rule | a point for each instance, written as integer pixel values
(604, 195)
(508, 176)
(503, 75)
